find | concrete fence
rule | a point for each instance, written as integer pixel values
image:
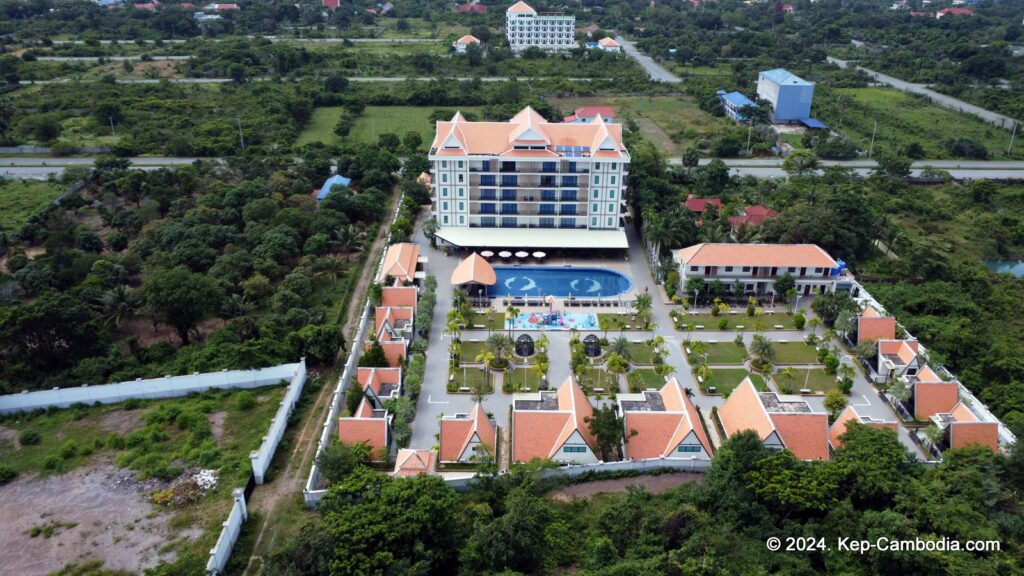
(221, 552)
(166, 387)
(314, 491)
(261, 458)
(695, 465)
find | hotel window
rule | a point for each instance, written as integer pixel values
(594, 208)
(597, 179)
(460, 163)
(688, 449)
(460, 179)
(694, 268)
(508, 194)
(613, 179)
(444, 206)
(462, 206)
(596, 193)
(445, 219)
(462, 192)
(611, 221)
(549, 167)
(611, 193)
(444, 192)
(509, 180)
(509, 208)
(508, 222)
(488, 180)
(568, 209)
(549, 195)
(444, 177)
(593, 221)
(569, 195)
(728, 268)
(574, 449)
(547, 222)
(487, 208)
(611, 207)
(746, 268)
(567, 223)
(444, 163)
(569, 181)
(597, 165)
(791, 270)
(615, 166)
(547, 208)
(462, 219)
(487, 221)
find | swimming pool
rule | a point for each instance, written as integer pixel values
(561, 281)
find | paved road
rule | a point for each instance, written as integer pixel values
(940, 99)
(36, 168)
(275, 78)
(109, 58)
(657, 72)
(958, 169)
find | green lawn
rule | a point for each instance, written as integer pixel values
(794, 353)
(723, 353)
(644, 378)
(611, 321)
(598, 378)
(641, 354)
(20, 199)
(815, 379)
(726, 379)
(375, 120)
(472, 378)
(519, 378)
(904, 118)
(709, 322)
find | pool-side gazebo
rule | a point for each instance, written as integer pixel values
(474, 275)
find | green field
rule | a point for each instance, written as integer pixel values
(598, 378)
(724, 353)
(376, 120)
(644, 378)
(815, 379)
(20, 199)
(904, 118)
(794, 353)
(769, 322)
(517, 379)
(472, 378)
(726, 379)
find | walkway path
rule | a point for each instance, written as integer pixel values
(656, 71)
(940, 99)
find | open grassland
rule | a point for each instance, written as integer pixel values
(903, 119)
(814, 379)
(376, 120)
(20, 199)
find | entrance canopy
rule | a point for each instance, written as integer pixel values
(474, 270)
(531, 238)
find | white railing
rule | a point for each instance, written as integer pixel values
(166, 387)
(221, 552)
(261, 458)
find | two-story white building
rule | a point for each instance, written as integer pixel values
(566, 183)
(526, 27)
(757, 266)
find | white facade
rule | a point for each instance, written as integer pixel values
(756, 267)
(525, 28)
(761, 279)
(575, 451)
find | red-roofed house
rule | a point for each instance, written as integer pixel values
(550, 425)
(587, 114)
(931, 395)
(149, 6)
(780, 421)
(897, 358)
(788, 8)
(922, 14)
(873, 326)
(464, 437)
(700, 205)
(663, 424)
(415, 462)
(954, 11)
(472, 8)
(850, 414)
(371, 423)
(401, 296)
(400, 263)
(589, 29)
(332, 4)
(752, 216)
(609, 45)
(962, 427)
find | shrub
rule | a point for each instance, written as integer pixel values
(845, 385)
(723, 323)
(69, 449)
(53, 463)
(29, 438)
(131, 404)
(831, 364)
(7, 473)
(799, 321)
(245, 401)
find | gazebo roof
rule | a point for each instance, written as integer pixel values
(474, 270)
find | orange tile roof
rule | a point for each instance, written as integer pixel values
(964, 434)
(391, 314)
(926, 374)
(904, 350)
(608, 43)
(873, 326)
(458, 137)
(414, 462)
(400, 262)
(961, 413)
(743, 410)
(659, 433)
(372, 431)
(398, 296)
(849, 414)
(521, 8)
(795, 255)
(541, 433)
(468, 39)
(474, 269)
(374, 378)
(932, 398)
(804, 433)
(457, 433)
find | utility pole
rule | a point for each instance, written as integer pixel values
(113, 133)
(1014, 134)
(871, 148)
(241, 137)
(750, 129)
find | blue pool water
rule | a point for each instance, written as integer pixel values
(561, 281)
(1015, 267)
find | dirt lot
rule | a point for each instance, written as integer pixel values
(654, 485)
(103, 514)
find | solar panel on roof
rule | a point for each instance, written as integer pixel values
(585, 148)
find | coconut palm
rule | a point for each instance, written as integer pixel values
(236, 306)
(746, 234)
(486, 357)
(349, 238)
(120, 304)
(499, 345)
(620, 346)
(762, 350)
(644, 305)
(510, 318)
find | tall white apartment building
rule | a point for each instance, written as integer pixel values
(548, 31)
(529, 183)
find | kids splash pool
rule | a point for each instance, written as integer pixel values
(561, 281)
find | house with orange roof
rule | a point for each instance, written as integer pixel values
(465, 437)
(393, 327)
(400, 264)
(564, 182)
(932, 395)
(463, 44)
(551, 425)
(663, 424)
(399, 296)
(963, 427)
(609, 45)
(587, 114)
(371, 423)
(897, 359)
(410, 462)
(757, 266)
(781, 421)
(874, 326)
(550, 31)
(752, 216)
(850, 414)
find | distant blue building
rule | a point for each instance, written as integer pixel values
(325, 190)
(790, 95)
(733, 103)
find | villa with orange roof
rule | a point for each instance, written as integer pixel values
(609, 45)
(525, 27)
(663, 424)
(850, 414)
(410, 462)
(932, 395)
(874, 326)
(565, 182)
(464, 437)
(462, 44)
(587, 114)
(782, 422)
(371, 423)
(963, 427)
(758, 266)
(400, 262)
(896, 359)
(551, 425)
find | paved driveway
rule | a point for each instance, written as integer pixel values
(656, 71)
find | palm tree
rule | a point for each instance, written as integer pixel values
(712, 234)
(236, 306)
(746, 234)
(120, 304)
(510, 318)
(430, 228)
(762, 350)
(620, 346)
(500, 346)
(539, 370)
(349, 238)
(486, 357)
(644, 304)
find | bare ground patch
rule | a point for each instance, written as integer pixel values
(653, 484)
(120, 421)
(113, 521)
(216, 421)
